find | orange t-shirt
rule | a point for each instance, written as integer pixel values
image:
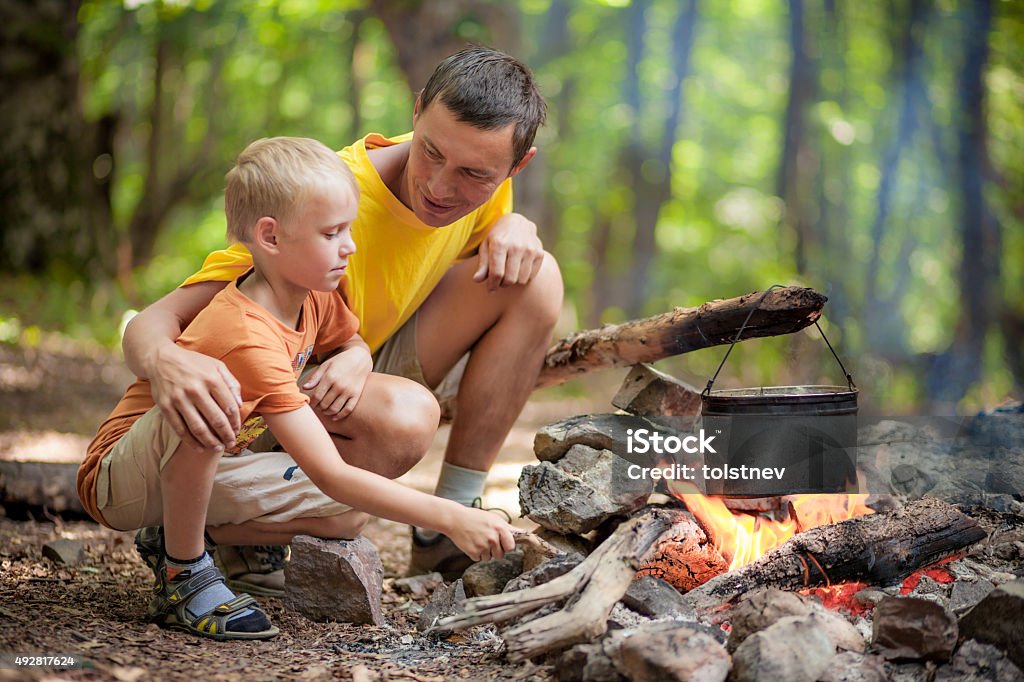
(264, 354)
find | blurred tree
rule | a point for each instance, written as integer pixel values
(55, 166)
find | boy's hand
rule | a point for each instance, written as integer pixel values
(335, 387)
(198, 396)
(510, 254)
(481, 534)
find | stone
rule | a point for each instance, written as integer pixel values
(600, 431)
(681, 654)
(418, 586)
(334, 580)
(582, 490)
(998, 619)
(762, 609)
(485, 578)
(911, 481)
(586, 663)
(546, 572)
(850, 666)
(794, 649)
(980, 663)
(967, 593)
(652, 596)
(446, 601)
(64, 551)
(661, 398)
(914, 629)
(573, 545)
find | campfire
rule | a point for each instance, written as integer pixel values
(743, 537)
(635, 577)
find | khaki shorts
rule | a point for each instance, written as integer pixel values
(266, 487)
(398, 357)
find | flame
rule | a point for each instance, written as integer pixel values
(740, 537)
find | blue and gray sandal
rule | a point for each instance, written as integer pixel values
(169, 608)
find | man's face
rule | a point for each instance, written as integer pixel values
(454, 167)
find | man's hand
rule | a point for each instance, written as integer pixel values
(510, 254)
(198, 396)
(335, 387)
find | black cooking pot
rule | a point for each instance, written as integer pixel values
(780, 440)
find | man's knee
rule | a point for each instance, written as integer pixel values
(544, 293)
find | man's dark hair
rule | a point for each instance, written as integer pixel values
(489, 89)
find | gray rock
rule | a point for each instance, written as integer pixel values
(794, 649)
(998, 619)
(762, 609)
(580, 491)
(850, 666)
(911, 481)
(64, 551)
(967, 593)
(980, 663)
(915, 629)
(646, 392)
(334, 580)
(418, 586)
(654, 597)
(586, 663)
(446, 601)
(680, 654)
(600, 431)
(490, 577)
(546, 572)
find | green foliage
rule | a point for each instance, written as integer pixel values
(236, 71)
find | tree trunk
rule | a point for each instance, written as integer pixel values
(425, 32)
(56, 202)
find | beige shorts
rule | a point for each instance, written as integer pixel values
(398, 357)
(266, 487)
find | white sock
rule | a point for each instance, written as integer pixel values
(458, 484)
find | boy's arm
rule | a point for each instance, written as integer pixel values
(197, 394)
(337, 384)
(480, 534)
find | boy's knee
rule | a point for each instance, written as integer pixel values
(346, 526)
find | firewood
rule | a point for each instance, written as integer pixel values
(880, 548)
(595, 586)
(783, 311)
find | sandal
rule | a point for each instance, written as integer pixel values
(168, 608)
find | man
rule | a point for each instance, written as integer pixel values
(443, 268)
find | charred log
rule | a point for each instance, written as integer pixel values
(879, 548)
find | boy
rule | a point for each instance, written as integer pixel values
(291, 202)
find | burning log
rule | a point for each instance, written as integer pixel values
(879, 548)
(783, 311)
(594, 587)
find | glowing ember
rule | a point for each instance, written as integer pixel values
(740, 538)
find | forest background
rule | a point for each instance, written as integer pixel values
(695, 149)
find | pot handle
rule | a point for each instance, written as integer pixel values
(711, 381)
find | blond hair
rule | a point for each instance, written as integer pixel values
(271, 178)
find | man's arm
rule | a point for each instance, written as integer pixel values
(197, 394)
(511, 253)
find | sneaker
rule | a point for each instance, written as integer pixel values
(256, 569)
(435, 552)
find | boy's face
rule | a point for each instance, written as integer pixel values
(317, 240)
(454, 167)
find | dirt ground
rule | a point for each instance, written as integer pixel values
(50, 401)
